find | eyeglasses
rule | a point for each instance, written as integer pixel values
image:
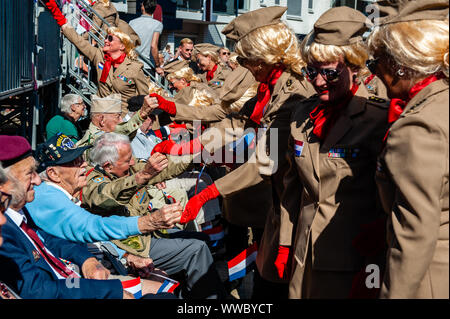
(329, 75)
(372, 65)
(226, 53)
(4, 204)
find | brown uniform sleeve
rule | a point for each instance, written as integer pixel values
(83, 45)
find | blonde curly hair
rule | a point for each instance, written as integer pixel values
(126, 41)
(273, 44)
(201, 97)
(420, 47)
(184, 73)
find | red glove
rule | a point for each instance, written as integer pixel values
(195, 203)
(177, 128)
(282, 261)
(56, 13)
(165, 105)
(172, 148)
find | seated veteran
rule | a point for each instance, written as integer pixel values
(72, 110)
(207, 56)
(106, 117)
(5, 199)
(29, 257)
(116, 185)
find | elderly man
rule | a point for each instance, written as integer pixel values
(58, 212)
(29, 260)
(112, 188)
(5, 198)
(106, 117)
(72, 110)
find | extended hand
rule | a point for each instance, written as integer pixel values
(165, 105)
(140, 266)
(156, 163)
(163, 218)
(56, 12)
(150, 104)
(195, 203)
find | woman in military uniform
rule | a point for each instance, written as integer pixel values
(412, 174)
(118, 70)
(269, 50)
(207, 56)
(330, 192)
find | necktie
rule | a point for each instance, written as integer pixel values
(54, 262)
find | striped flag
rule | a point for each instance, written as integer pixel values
(298, 148)
(239, 265)
(133, 286)
(168, 285)
(215, 233)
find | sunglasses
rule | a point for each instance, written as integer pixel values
(4, 204)
(226, 53)
(372, 65)
(329, 75)
(110, 38)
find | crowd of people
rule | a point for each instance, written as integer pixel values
(329, 154)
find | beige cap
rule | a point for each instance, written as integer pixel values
(202, 47)
(175, 66)
(340, 26)
(242, 25)
(108, 104)
(392, 11)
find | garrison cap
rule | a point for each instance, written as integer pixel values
(107, 104)
(392, 11)
(202, 47)
(13, 149)
(242, 25)
(340, 26)
(175, 66)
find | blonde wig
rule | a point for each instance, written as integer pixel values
(237, 105)
(214, 55)
(106, 3)
(126, 41)
(355, 55)
(272, 44)
(153, 88)
(420, 47)
(233, 58)
(185, 73)
(201, 98)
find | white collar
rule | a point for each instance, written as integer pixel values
(17, 217)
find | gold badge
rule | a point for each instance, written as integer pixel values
(289, 83)
(36, 255)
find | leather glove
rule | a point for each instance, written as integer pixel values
(56, 12)
(195, 203)
(165, 105)
(172, 148)
(282, 261)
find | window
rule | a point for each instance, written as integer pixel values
(310, 5)
(294, 8)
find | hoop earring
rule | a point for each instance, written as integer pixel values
(400, 73)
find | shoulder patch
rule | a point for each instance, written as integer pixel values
(99, 179)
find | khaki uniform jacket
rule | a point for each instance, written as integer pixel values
(413, 183)
(128, 79)
(108, 195)
(257, 182)
(334, 186)
(218, 79)
(186, 95)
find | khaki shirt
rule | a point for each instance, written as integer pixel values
(330, 189)
(106, 195)
(218, 79)
(412, 178)
(128, 79)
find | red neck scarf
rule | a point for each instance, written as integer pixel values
(107, 65)
(264, 93)
(398, 105)
(325, 115)
(210, 74)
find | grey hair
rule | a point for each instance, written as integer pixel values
(67, 101)
(105, 148)
(3, 177)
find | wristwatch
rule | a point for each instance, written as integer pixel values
(123, 260)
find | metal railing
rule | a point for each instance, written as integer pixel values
(82, 84)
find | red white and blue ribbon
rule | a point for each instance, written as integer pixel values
(240, 265)
(298, 148)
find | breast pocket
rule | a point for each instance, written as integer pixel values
(351, 161)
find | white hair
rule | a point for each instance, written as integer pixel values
(3, 177)
(67, 101)
(105, 148)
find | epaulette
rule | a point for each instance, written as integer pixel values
(378, 101)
